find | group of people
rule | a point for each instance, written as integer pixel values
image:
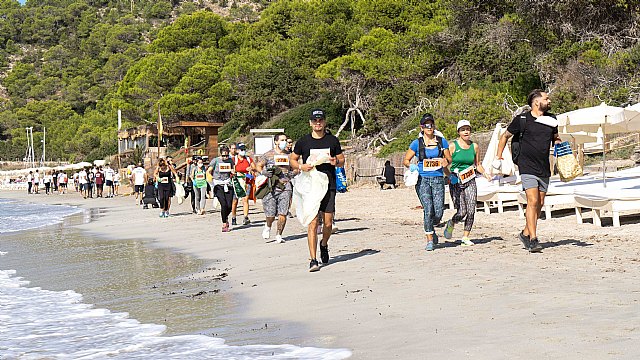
(232, 175)
(54, 182)
(93, 180)
(457, 163)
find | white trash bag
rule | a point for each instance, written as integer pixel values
(179, 193)
(411, 177)
(309, 188)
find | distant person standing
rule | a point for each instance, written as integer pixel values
(275, 165)
(139, 178)
(36, 182)
(30, 182)
(388, 176)
(191, 165)
(116, 183)
(47, 182)
(535, 130)
(319, 142)
(54, 181)
(108, 180)
(83, 182)
(62, 182)
(99, 176)
(433, 155)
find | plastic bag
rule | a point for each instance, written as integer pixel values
(411, 178)
(341, 180)
(309, 188)
(179, 193)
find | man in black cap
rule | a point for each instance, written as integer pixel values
(316, 143)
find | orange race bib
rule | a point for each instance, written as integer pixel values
(281, 160)
(467, 175)
(163, 180)
(224, 167)
(200, 176)
(432, 164)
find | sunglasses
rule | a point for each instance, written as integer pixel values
(427, 126)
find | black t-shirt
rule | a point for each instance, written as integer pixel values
(534, 145)
(328, 143)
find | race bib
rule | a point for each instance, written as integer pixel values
(224, 167)
(467, 175)
(163, 180)
(315, 153)
(432, 164)
(281, 160)
(200, 176)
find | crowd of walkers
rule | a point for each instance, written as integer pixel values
(233, 177)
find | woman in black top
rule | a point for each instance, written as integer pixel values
(165, 183)
(389, 174)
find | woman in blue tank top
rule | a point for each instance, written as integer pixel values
(433, 156)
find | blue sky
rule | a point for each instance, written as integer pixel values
(22, 1)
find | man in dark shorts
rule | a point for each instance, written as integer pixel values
(311, 145)
(537, 136)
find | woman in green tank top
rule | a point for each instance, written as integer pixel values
(199, 177)
(465, 165)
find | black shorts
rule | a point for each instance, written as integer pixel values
(328, 203)
(109, 183)
(139, 188)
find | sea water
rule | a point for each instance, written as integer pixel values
(37, 323)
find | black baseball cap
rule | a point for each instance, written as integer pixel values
(427, 117)
(241, 146)
(317, 114)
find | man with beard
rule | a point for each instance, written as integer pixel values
(535, 130)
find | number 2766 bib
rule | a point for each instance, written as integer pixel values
(432, 164)
(468, 174)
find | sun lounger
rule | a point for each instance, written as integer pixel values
(493, 194)
(612, 201)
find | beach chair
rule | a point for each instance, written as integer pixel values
(497, 194)
(613, 202)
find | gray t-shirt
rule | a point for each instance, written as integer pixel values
(217, 174)
(269, 159)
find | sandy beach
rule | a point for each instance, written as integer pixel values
(383, 297)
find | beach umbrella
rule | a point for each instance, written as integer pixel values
(609, 119)
(84, 164)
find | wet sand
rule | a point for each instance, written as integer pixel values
(384, 297)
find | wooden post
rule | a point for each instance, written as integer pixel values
(211, 134)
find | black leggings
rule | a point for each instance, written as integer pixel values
(464, 199)
(225, 199)
(163, 197)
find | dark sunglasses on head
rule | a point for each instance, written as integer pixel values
(427, 126)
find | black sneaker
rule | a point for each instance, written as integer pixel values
(324, 253)
(246, 221)
(525, 240)
(534, 246)
(313, 265)
(233, 221)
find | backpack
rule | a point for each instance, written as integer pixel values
(515, 142)
(422, 146)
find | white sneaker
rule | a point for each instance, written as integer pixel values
(265, 232)
(279, 239)
(466, 242)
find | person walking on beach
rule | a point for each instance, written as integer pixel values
(139, 178)
(36, 182)
(221, 169)
(99, 182)
(54, 181)
(91, 176)
(191, 165)
(274, 164)
(164, 174)
(116, 182)
(535, 130)
(199, 176)
(108, 180)
(62, 182)
(319, 142)
(465, 164)
(83, 182)
(47, 182)
(30, 182)
(244, 165)
(433, 156)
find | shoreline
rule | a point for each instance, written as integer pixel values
(382, 296)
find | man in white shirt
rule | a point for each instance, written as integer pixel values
(139, 176)
(36, 182)
(83, 181)
(108, 177)
(30, 182)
